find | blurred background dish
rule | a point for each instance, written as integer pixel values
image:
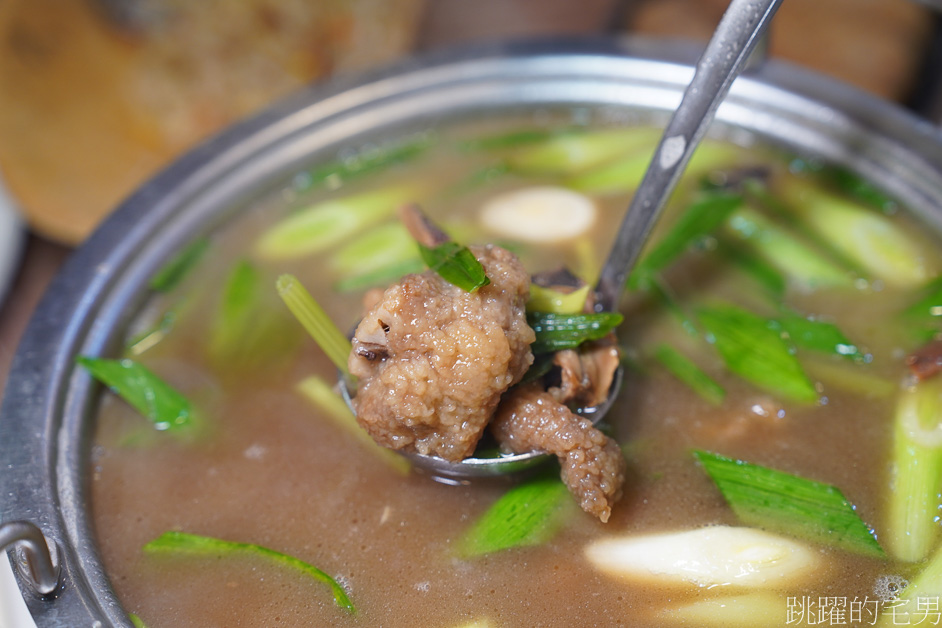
(97, 95)
(12, 234)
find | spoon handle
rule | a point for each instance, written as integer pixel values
(722, 61)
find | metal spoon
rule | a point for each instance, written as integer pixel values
(723, 59)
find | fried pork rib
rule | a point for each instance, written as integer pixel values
(593, 468)
(433, 360)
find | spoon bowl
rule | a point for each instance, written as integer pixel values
(725, 56)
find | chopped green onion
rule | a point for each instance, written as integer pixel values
(137, 621)
(528, 514)
(148, 339)
(851, 377)
(182, 543)
(783, 250)
(624, 175)
(315, 320)
(177, 268)
(544, 299)
(555, 332)
(379, 248)
(790, 504)
(755, 352)
(381, 276)
(815, 335)
(697, 221)
(166, 408)
(248, 330)
(329, 222)
(916, 601)
(916, 472)
(771, 280)
(577, 152)
(843, 180)
(924, 317)
(455, 264)
(684, 369)
(514, 139)
(319, 393)
(364, 162)
(868, 238)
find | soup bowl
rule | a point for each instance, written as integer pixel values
(47, 419)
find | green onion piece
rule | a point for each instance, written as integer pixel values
(364, 162)
(380, 277)
(163, 405)
(700, 219)
(767, 276)
(379, 248)
(843, 180)
(455, 264)
(916, 472)
(184, 544)
(868, 238)
(315, 320)
(786, 503)
(659, 289)
(513, 139)
(816, 335)
(755, 352)
(684, 369)
(172, 273)
(851, 377)
(477, 179)
(137, 621)
(249, 329)
(784, 251)
(915, 603)
(148, 339)
(327, 223)
(570, 153)
(924, 317)
(624, 175)
(528, 514)
(555, 332)
(548, 300)
(320, 394)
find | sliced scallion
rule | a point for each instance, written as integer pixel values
(700, 219)
(570, 153)
(786, 252)
(684, 369)
(555, 332)
(137, 621)
(156, 400)
(329, 222)
(526, 515)
(816, 335)
(315, 320)
(790, 504)
(544, 299)
(364, 162)
(181, 543)
(173, 272)
(916, 472)
(455, 264)
(381, 276)
(378, 248)
(755, 352)
(320, 394)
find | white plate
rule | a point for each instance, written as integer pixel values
(11, 241)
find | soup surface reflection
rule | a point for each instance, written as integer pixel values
(265, 463)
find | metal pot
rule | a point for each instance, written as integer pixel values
(47, 416)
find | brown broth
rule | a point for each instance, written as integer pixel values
(271, 471)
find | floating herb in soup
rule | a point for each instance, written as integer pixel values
(778, 426)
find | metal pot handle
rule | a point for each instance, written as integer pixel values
(35, 558)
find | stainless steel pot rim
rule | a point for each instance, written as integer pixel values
(44, 434)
